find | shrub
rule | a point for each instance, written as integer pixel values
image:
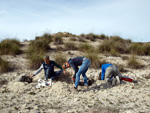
(70, 46)
(90, 36)
(85, 47)
(46, 37)
(81, 39)
(137, 48)
(4, 66)
(73, 39)
(114, 45)
(113, 52)
(147, 49)
(64, 34)
(133, 63)
(58, 40)
(95, 60)
(10, 46)
(60, 59)
(119, 39)
(35, 60)
(102, 36)
(105, 47)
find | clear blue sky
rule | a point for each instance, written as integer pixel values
(26, 19)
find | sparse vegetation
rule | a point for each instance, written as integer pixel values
(70, 46)
(114, 46)
(58, 40)
(10, 46)
(64, 34)
(37, 49)
(134, 63)
(90, 36)
(139, 49)
(85, 47)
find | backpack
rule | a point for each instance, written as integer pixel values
(25, 79)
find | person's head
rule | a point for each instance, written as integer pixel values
(66, 65)
(46, 59)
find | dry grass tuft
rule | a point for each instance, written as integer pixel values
(10, 46)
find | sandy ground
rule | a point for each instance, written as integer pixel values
(101, 97)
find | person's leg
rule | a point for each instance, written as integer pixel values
(87, 63)
(109, 74)
(80, 71)
(56, 74)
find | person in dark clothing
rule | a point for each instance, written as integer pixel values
(110, 73)
(48, 66)
(84, 64)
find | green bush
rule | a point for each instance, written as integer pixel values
(4, 66)
(70, 46)
(133, 63)
(10, 46)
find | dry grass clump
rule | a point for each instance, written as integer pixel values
(58, 40)
(114, 45)
(70, 46)
(85, 47)
(4, 66)
(60, 58)
(10, 46)
(95, 60)
(139, 49)
(90, 36)
(46, 36)
(35, 60)
(64, 34)
(37, 49)
(134, 63)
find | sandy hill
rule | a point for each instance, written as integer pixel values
(20, 97)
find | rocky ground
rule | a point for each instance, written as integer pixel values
(101, 97)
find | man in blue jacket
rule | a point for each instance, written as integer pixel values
(110, 73)
(48, 66)
(84, 64)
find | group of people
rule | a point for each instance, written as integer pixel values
(109, 73)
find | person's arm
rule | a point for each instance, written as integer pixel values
(103, 73)
(39, 70)
(59, 66)
(75, 69)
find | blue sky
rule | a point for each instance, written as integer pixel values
(25, 19)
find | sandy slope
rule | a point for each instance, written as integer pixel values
(100, 97)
